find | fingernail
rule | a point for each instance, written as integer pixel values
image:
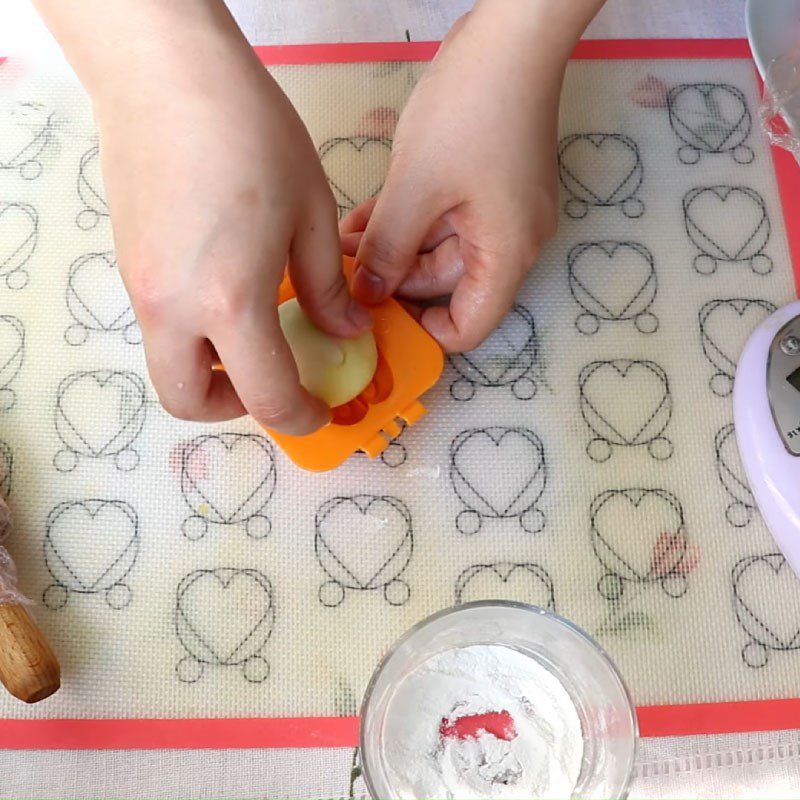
(369, 286)
(359, 315)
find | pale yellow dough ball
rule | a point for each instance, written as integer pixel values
(335, 370)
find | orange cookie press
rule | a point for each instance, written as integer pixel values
(409, 363)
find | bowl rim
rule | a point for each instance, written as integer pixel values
(552, 616)
(765, 48)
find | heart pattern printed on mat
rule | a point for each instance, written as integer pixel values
(99, 414)
(91, 190)
(96, 298)
(498, 473)
(603, 170)
(224, 617)
(19, 235)
(506, 358)
(626, 403)
(235, 484)
(767, 605)
(364, 542)
(639, 536)
(523, 583)
(725, 325)
(613, 281)
(710, 118)
(25, 139)
(356, 167)
(727, 224)
(732, 477)
(90, 546)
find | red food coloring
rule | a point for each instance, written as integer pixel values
(499, 724)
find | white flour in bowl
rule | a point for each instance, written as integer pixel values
(429, 753)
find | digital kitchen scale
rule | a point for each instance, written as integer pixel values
(766, 410)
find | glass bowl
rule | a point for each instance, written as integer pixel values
(604, 706)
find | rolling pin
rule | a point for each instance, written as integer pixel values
(28, 667)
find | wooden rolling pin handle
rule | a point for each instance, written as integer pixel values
(28, 667)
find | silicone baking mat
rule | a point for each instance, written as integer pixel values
(202, 591)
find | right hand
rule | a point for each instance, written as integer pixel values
(213, 184)
(467, 221)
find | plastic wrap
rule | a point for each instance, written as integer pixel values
(780, 108)
(9, 594)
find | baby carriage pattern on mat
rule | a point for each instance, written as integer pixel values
(508, 357)
(90, 548)
(498, 473)
(710, 118)
(654, 550)
(364, 543)
(228, 479)
(771, 619)
(224, 617)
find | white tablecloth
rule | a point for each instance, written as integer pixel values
(751, 765)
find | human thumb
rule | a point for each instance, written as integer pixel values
(391, 243)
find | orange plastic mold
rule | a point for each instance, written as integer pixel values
(409, 363)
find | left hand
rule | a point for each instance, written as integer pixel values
(471, 191)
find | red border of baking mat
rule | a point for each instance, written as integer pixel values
(669, 720)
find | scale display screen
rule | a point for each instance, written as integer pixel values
(794, 379)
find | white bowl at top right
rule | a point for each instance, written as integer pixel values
(773, 28)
